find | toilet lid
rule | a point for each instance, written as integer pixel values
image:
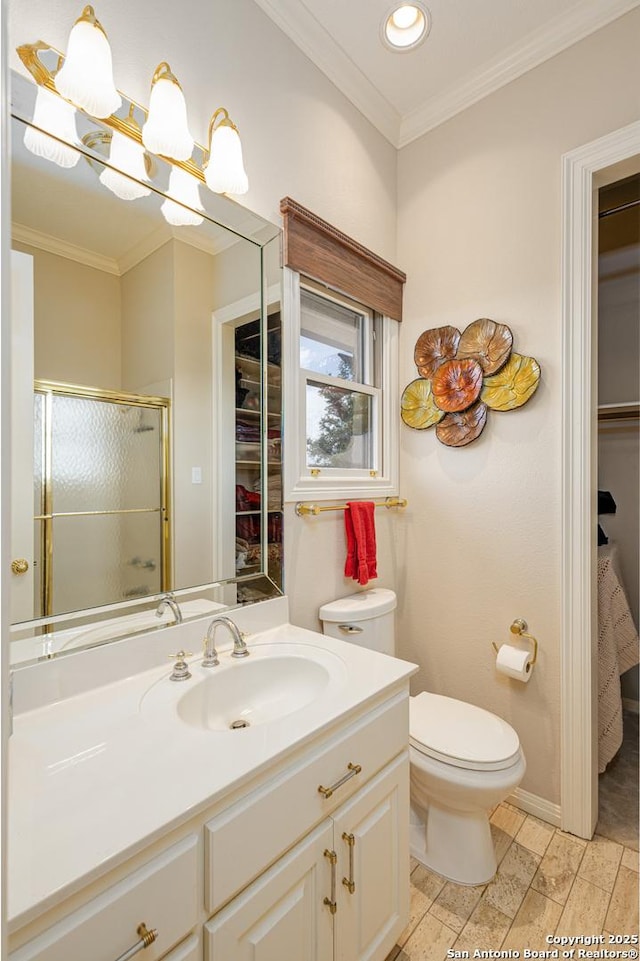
(461, 734)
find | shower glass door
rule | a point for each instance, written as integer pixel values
(101, 497)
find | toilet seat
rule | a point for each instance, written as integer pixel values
(461, 734)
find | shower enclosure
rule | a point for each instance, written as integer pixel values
(101, 497)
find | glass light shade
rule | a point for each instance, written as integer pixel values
(54, 114)
(128, 156)
(86, 76)
(225, 173)
(184, 188)
(166, 131)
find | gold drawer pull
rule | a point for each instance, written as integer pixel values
(146, 938)
(20, 565)
(349, 883)
(331, 902)
(352, 770)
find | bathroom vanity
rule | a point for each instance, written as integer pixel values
(134, 803)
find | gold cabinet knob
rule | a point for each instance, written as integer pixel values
(20, 565)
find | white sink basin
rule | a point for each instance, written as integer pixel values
(273, 682)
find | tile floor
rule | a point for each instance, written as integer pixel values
(618, 810)
(548, 883)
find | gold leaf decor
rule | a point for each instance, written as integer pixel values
(458, 430)
(512, 386)
(433, 347)
(488, 343)
(417, 407)
(462, 376)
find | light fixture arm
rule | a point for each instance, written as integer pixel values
(225, 122)
(88, 15)
(163, 72)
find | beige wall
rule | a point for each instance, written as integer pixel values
(194, 539)
(479, 236)
(76, 338)
(148, 292)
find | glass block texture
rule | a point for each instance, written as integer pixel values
(105, 456)
(101, 559)
(338, 427)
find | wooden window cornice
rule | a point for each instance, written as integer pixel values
(320, 251)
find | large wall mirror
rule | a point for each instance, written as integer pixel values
(146, 398)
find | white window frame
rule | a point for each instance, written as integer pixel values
(336, 483)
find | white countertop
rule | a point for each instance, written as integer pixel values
(94, 776)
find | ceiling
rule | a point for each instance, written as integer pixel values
(473, 49)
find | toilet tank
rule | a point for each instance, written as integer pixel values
(365, 618)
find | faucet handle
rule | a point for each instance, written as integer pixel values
(181, 670)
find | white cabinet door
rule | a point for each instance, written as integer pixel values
(283, 914)
(371, 840)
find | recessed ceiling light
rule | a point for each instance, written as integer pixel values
(405, 26)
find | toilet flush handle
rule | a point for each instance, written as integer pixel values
(350, 629)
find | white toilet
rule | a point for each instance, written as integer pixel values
(463, 759)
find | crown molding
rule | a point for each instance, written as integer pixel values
(53, 245)
(109, 265)
(561, 32)
(200, 240)
(296, 21)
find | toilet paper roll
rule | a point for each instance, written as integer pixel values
(514, 662)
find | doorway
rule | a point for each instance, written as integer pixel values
(585, 169)
(617, 508)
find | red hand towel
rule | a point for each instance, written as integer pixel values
(351, 563)
(361, 563)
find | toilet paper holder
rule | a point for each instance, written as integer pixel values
(519, 627)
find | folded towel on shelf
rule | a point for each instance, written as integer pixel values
(360, 530)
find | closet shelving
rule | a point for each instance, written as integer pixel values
(249, 425)
(629, 410)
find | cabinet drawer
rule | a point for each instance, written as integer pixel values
(162, 893)
(244, 840)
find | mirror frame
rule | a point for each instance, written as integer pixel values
(233, 217)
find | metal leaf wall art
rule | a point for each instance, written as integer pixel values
(463, 376)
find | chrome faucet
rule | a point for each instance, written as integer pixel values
(168, 600)
(210, 658)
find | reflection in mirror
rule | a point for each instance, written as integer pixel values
(143, 429)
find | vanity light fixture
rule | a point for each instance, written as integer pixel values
(405, 26)
(166, 131)
(128, 156)
(86, 77)
(224, 172)
(54, 114)
(184, 188)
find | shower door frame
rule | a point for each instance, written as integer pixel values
(50, 388)
(584, 171)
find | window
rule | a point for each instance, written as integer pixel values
(341, 396)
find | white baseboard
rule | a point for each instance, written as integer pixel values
(632, 706)
(538, 806)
